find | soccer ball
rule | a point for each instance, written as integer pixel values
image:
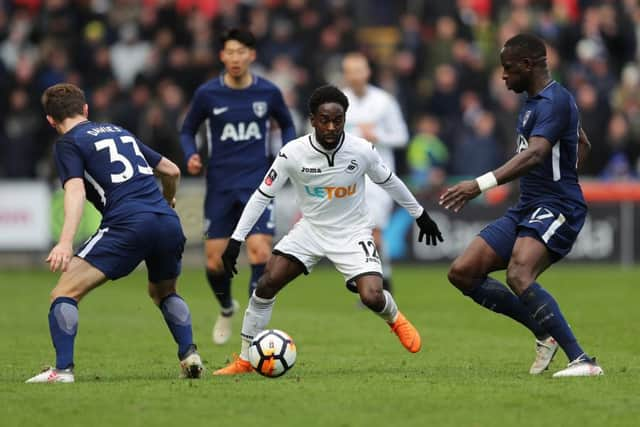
(272, 353)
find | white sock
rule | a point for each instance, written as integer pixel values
(256, 318)
(390, 310)
(385, 260)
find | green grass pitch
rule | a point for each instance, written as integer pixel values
(351, 371)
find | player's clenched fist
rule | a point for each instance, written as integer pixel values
(194, 164)
(428, 228)
(230, 256)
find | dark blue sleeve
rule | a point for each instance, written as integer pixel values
(283, 117)
(152, 157)
(69, 161)
(552, 117)
(195, 116)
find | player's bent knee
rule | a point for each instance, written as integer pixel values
(460, 275)
(372, 298)
(161, 290)
(215, 267)
(267, 286)
(519, 277)
(259, 256)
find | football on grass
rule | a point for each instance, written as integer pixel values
(272, 353)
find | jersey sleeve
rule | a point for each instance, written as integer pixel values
(195, 116)
(69, 161)
(152, 157)
(283, 117)
(551, 120)
(377, 170)
(277, 176)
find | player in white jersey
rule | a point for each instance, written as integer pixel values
(327, 169)
(374, 115)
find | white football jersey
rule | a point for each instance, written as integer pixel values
(329, 185)
(380, 108)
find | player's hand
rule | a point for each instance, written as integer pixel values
(60, 256)
(428, 228)
(457, 196)
(194, 164)
(230, 256)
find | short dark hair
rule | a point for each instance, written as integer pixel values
(240, 35)
(527, 46)
(326, 94)
(63, 101)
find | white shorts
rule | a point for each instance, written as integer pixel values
(379, 202)
(353, 253)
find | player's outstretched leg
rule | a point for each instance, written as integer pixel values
(544, 308)
(468, 274)
(495, 296)
(256, 319)
(178, 317)
(63, 326)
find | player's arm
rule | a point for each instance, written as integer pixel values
(382, 176)
(165, 169)
(169, 174)
(584, 147)
(548, 126)
(74, 198)
(273, 181)
(283, 117)
(192, 121)
(454, 198)
(70, 167)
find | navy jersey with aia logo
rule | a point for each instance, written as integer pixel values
(553, 115)
(237, 130)
(551, 207)
(116, 167)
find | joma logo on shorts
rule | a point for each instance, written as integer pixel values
(330, 192)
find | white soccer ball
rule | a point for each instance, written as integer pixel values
(272, 353)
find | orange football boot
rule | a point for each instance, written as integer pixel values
(407, 333)
(237, 367)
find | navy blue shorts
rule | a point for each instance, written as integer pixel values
(116, 249)
(222, 210)
(557, 228)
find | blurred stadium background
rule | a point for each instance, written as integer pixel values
(140, 61)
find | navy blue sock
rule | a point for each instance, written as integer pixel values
(256, 272)
(497, 297)
(63, 326)
(545, 310)
(221, 286)
(176, 314)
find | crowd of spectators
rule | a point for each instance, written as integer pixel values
(140, 62)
